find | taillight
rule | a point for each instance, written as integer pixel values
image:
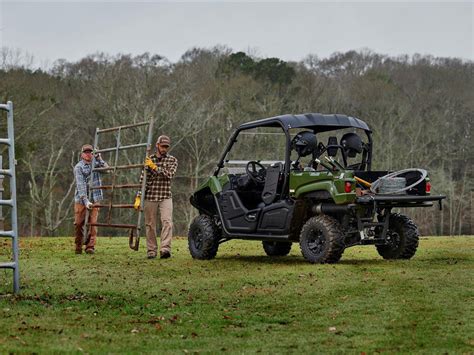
(348, 186)
(428, 187)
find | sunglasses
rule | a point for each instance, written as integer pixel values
(87, 151)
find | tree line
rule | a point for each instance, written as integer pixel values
(419, 107)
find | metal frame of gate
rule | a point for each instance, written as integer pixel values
(10, 172)
(134, 237)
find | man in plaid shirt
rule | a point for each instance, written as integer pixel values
(160, 169)
(82, 176)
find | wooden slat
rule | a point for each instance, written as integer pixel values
(120, 167)
(113, 206)
(123, 186)
(113, 225)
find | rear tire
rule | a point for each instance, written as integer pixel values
(203, 238)
(322, 240)
(276, 248)
(402, 238)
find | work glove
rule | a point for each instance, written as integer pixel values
(136, 205)
(150, 164)
(88, 204)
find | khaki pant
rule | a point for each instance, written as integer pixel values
(79, 219)
(166, 214)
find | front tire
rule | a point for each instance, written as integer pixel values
(203, 238)
(322, 240)
(402, 238)
(276, 248)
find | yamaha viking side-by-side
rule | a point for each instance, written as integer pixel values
(307, 179)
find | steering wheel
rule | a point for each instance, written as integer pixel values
(257, 177)
(376, 184)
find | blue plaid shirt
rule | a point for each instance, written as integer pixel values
(82, 173)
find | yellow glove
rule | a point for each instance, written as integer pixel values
(136, 205)
(149, 163)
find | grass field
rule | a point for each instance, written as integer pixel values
(240, 302)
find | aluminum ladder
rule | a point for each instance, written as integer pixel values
(10, 173)
(134, 237)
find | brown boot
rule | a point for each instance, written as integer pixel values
(78, 249)
(165, 254)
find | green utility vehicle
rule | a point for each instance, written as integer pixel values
(291, 179)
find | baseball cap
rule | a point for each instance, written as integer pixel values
(164, 140)
(86, 147)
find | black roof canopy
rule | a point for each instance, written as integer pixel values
(316, 121)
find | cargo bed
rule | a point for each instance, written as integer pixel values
(400, 200)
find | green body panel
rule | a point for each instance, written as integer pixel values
(304, 182)
(214, 184)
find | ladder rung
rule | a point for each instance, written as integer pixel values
(134, 226)
(122, 127)
(131, 166)
(114, 206)
(108, 187)
(6, 234)
(6, 141)
(123, 147)
(8, 265)
(6, 172)
(6, 202)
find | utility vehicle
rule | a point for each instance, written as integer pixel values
(291, 179)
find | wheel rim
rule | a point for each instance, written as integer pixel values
(316, 242)
(393, 239)
(198, 238)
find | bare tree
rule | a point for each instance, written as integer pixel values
(51, 199)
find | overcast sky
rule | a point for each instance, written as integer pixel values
(287, 30)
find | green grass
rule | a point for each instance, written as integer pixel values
(240, 302)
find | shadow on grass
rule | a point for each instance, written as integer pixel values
(364, 261)
(262, 259)
(295, 260)
(440, 260)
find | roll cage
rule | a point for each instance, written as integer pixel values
(315, 121)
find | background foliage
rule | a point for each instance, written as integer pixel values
(420, 109)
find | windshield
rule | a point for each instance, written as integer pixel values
(266, 145)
